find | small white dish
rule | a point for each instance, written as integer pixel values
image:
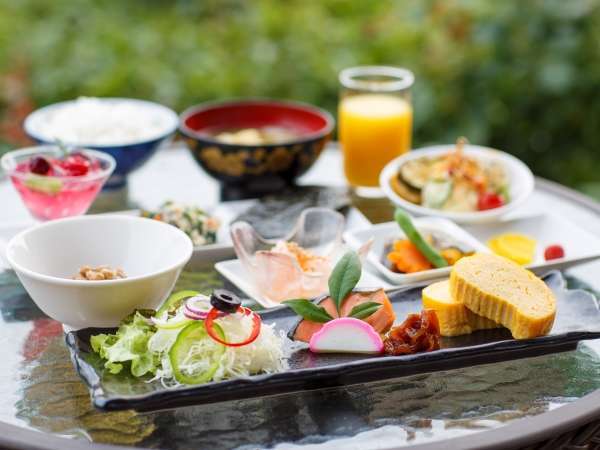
(46, 256)
(384, 234)
(580, 245)
(279, 275)
(521, 182)
(234, 271)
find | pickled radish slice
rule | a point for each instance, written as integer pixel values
(514, 246)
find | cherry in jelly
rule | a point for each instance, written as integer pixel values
(39, 165)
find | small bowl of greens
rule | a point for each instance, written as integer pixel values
(201, 226)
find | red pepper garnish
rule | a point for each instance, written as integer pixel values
(214, 313)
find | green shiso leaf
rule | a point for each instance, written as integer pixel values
(364, 310)
(344, 277)
(308, 310)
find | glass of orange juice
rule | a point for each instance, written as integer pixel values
(375, 122)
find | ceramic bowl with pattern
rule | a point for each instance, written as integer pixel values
(250, 165)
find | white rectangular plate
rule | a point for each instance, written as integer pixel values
(580, 245)
(383, 233)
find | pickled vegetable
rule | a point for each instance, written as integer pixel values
(407, 258)
(516, 247)
(418, 333)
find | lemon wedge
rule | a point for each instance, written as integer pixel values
(516, 247)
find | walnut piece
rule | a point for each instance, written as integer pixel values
(99, 273)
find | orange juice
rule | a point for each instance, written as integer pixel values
(373, 130)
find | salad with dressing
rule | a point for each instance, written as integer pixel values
(194, 339)
(453, 182)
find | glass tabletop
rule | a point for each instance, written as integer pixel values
(41, 391)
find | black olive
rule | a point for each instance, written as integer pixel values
(225, 301)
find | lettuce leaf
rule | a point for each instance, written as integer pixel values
(128, 347)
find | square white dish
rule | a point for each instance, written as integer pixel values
(233, 271)
(580, 245)
(384, 233)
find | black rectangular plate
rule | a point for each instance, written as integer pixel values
(577, 318)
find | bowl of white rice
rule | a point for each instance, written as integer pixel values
(130, 130)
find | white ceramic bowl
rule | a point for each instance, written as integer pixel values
(521, 182)
(45, 258)
(49, 124)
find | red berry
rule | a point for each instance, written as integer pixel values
(554, 252)
(39, 165)
(76, 165)
(489, 200)
(80, 155)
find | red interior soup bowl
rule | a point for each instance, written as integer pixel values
(255, 146)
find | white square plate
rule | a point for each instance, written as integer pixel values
(384, 233)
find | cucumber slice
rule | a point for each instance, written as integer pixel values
(171, 324)
(435, 193)
(174, 301)
(180, 352)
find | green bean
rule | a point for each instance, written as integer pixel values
(403, 219)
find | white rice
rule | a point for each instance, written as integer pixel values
(97, 121)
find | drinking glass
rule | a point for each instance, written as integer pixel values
(375, 122)
(51, 197)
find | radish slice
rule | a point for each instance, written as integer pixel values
(346, 335)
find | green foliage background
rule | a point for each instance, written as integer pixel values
(523, 76)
